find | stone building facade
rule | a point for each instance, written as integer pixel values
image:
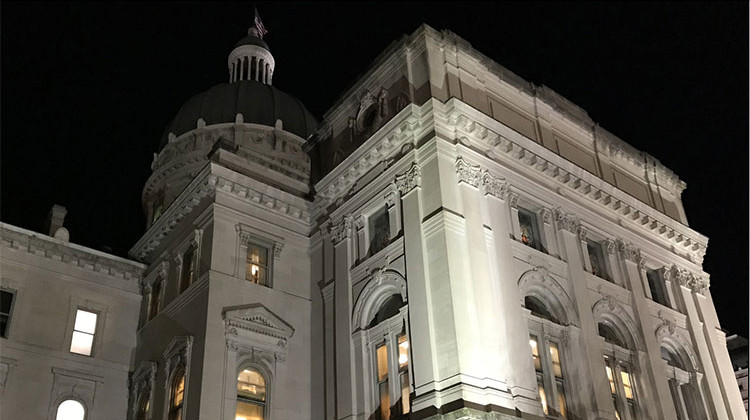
(449, 242)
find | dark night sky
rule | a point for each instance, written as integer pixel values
(87, 89)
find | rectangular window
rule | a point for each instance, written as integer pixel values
(597, 259)
(535, 354)
(611, 378)
(626, 384)
(555, 356)
(83, 332)
(529, 225)
(380, 230)
(153, 309)
(403, 372)
(188, 268)
(543, 397)
(561, 404)
(656, 285)
(256, 270)
(385, 398)
(6, 305)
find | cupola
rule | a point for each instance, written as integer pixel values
(251, 59)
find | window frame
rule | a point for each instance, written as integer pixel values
(548, 332)
(387, 332)
(660, 286)
(266, 379)
(268, 246)
(246, 236)
(70, 398)
(96, 336)
(618, 358)
(171, 408)
(601, 250)
(536, 223)
(13, 300)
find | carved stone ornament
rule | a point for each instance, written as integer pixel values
(610, 246)
(495, 186)
(390, 199)
(341, 229)
(629, 252)
(513, 200)
(566, 221)
(359, 222)
(546, 216)
(470, 174)
(409, 180)
(684, 277)
(582, 232)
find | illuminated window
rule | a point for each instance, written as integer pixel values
(188, 268)
(153, 308)
(547, 358)
(529, 225)
(256, 267)
(380, 230)
(6, 306)
(84, 329)
(177, 396)
(403, 372)
(251, 395)
(621, 388)
(70, 410)
(383, 391)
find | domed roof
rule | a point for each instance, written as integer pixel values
(252, 40)
(258, 103)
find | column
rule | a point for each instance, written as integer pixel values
(346, 386)
(329, 346)
(517, 370)
(421, 346)
(659, 391)
(682, 278)
(600, 400)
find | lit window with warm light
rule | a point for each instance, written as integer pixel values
(547, 356)
(403, 372)
(618, 369)
(251, 395)
(177, 397)
(257, 265)
(82, 341)
(383, 391)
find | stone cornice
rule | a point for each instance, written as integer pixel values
(501, 143)
(45, 246)
(207, 183)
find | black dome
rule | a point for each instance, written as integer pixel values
(257, 102)
(252, 40)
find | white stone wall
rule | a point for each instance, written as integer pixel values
(51, 279)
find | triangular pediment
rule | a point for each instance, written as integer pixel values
(259, 319)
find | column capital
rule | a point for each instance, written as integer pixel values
(684, 277)
(468, 173)
(409, 180)
(341, 229)
(566, 221)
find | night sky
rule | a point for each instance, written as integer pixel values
(88, 88)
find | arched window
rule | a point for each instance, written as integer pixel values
(683, 385)
(386, 335)
(177, 396)
(70, 410)
(144, 404)
(251, 395)
(620, 372)
(545, 337)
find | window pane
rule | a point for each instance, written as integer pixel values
(561, 405)
(382, 355)
(81, 343)
(154, 308)
(178, 391)
(527, 222)
(403, 352)
(6, 298)
(70, 410)
(555, 356)
(3, 325)
(596, 257)
(250, 384)
(405, 404)
(380, 230)
(257, 254)
(249, 411)
(256, 274)
(385, 401)
(85, 321)
(611, 380)
(535, 353)
(543, 397)
(626, 384)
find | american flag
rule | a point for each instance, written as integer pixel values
(259, 25)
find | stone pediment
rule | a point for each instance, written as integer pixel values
(256, 318)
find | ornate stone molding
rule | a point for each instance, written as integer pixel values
(470, 174)
(495, 186)
(359, 222)
(629, 251)
(566, 221)
(513, 200)
(255, 330)
(390, 199)
(78, 256)
(581, 231)
(409, 180)
(684, 277)
(611, 246)
(341, 229)
(546, 216)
